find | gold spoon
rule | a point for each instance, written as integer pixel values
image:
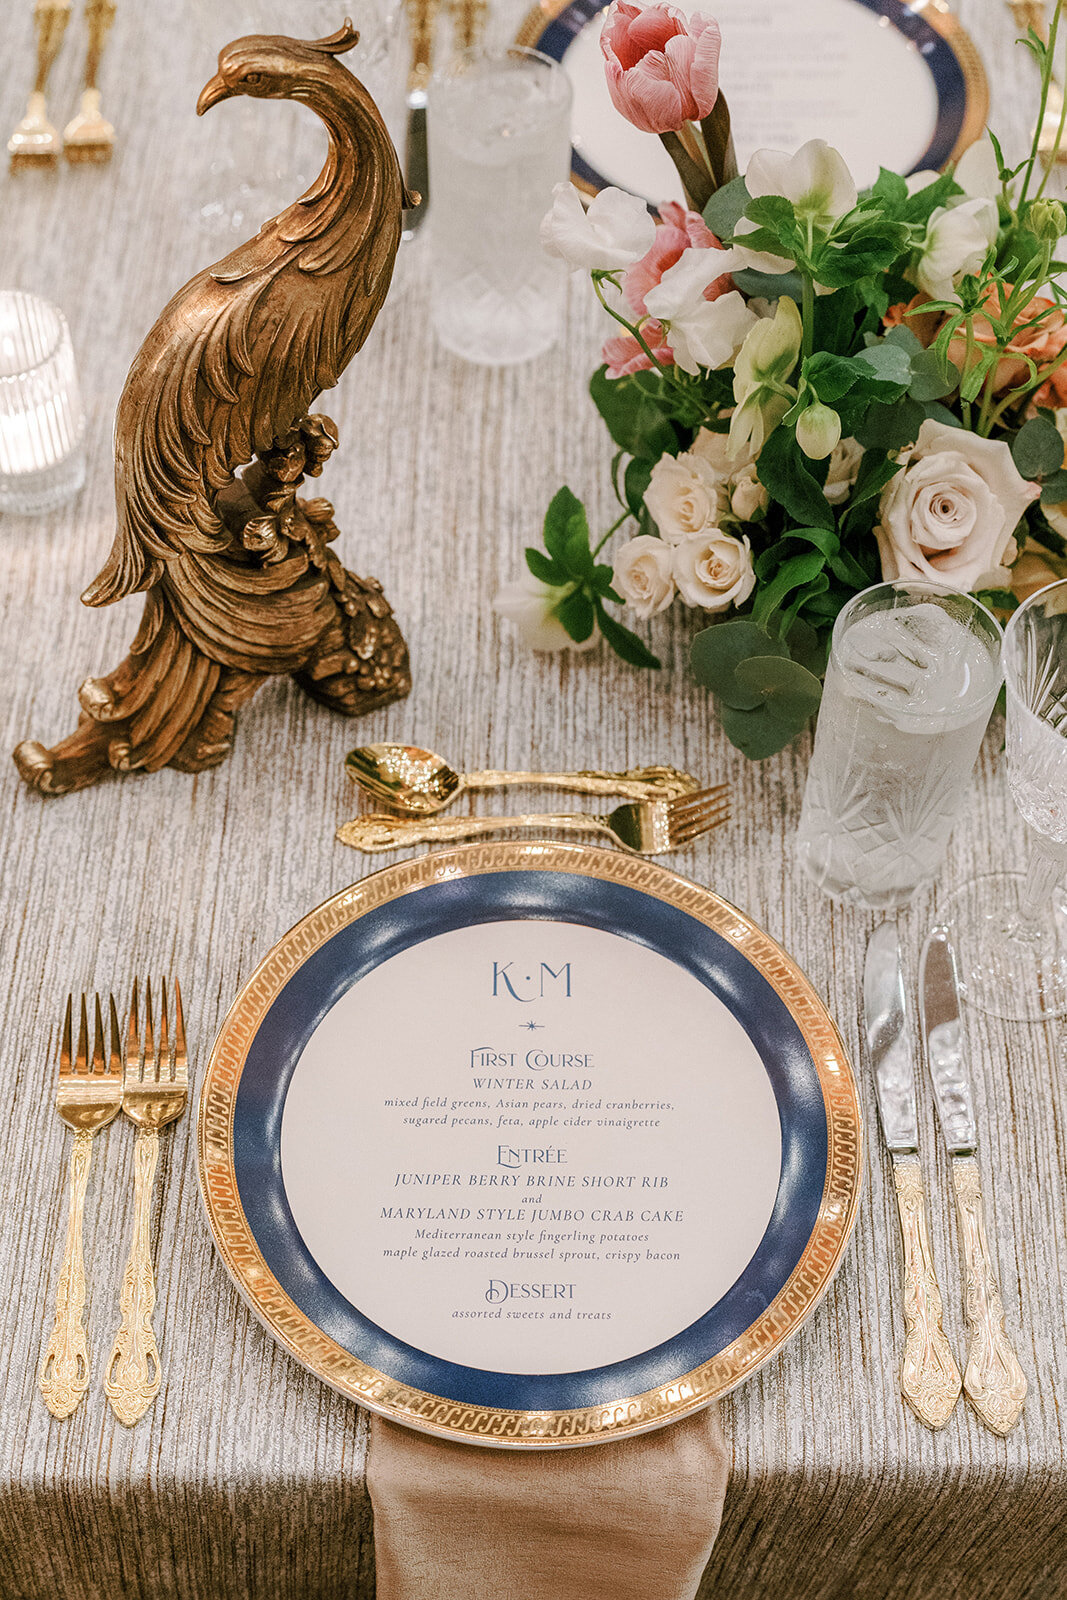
(418, 782)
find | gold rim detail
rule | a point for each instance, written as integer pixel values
(491, 1425)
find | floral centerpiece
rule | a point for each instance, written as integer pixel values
(811, 388)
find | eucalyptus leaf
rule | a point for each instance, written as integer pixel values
(1054, 489)
(716, 652)
(887, 361)
(1037, 448)
(725, 209)
(769, 285)
(757, 733)
(932, 375)
(891, 427)
(788, 690)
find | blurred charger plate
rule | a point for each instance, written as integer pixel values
(887, 83)
(593, 1260)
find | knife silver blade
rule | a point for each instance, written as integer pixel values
(993, 1380)
(929, 1377)
(939, 1011)
(885, 1016)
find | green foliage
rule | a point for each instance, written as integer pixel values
(725, 209)
(1037, 448)
(636, 413)
(766, 696)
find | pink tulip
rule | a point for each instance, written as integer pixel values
(678, 230)
(662, 67)
(624, 355)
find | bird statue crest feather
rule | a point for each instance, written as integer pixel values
(213, 434)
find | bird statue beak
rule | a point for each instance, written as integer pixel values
(214, 90)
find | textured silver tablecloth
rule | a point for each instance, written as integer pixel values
(246, 1476)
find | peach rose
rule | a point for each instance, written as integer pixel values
(1042, 343)
(662, 67)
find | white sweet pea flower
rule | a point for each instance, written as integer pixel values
(682, 286)
(714, 571)
(643, 575)
(615, 232)
(531, 606)
(818, 431)
(817, 181)
(711, 333)
(763, 365)
(957, 242)
(977, 172)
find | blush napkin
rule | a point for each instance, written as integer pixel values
(632, 1520)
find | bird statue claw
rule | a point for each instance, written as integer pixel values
(239, 580)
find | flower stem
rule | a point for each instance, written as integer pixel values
(808, 316)
(614, 526)
(1046, 79)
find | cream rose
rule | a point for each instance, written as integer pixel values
(684, 496)
(742, 497)
(845, 460)
(949, 515)
(643, 575)
(714, 571)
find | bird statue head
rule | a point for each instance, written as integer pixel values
(272, 67)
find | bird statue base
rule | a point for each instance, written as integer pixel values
(353, 660)
(215, 432)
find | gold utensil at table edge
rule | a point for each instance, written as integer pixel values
(417, 782)
(34, 141)
(155, 1091)
(88, 136)
(646, 827)
(88, 1097)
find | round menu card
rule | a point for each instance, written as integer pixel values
(529, 1145)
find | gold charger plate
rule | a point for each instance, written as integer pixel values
(275, 1052)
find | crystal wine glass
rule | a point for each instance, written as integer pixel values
(1010, 928)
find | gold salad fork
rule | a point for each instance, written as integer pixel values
(646, 827)
(88, 1097)
(155, 1089)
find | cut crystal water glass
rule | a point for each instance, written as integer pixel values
(1010, 928)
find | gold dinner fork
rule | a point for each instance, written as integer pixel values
(155, 1090)
(645, 827)
(88, 1096)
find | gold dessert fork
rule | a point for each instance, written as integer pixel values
(155, 1090)
(88, 136)
(88, 1096)
(646, 827)
(35, 142)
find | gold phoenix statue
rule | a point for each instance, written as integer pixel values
(240, 580)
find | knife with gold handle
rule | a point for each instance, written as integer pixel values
(993, 1380)
(929, 1377)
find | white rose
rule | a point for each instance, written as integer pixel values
(748, 497)
(949, 515)
(845, 461)
(714, 571)
(643, 575)
(531, 606)
(957, 242)
(714, 448)
(685, 496)
(615, 232)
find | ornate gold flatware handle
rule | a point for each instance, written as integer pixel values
(636, 783)
(379, 832)
(929, 1377)
(133, 1372)
(64, 1373)
(993, 1381)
